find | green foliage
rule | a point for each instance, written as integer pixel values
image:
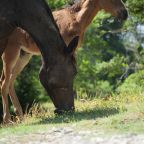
(54, 4)
(136, 8)
(101, 61)
(134, 83)
(108, 58)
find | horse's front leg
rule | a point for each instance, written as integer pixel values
(9, 58)
(4, 92)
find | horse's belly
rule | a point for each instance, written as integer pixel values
(5, 29)
(32, 50)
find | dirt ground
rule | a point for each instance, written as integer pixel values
(70, 136)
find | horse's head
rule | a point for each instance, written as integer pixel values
(59, 83)
(115, 7)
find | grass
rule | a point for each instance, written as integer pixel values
(113, 114)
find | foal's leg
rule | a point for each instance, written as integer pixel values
(3, 43)
(9, 57)
(21, 63)
(6, 113)
(2, 77)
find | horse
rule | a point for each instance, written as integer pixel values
(72, 21)
(58, 70)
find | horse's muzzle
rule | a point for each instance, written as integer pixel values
(64, 111)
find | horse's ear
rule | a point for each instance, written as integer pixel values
(72, 45)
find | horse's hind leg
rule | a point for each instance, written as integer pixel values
(2, 77)
(9, 58)
(3, 43)
(21, 63)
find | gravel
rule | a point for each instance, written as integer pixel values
(70, 136)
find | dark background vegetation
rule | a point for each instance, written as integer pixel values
(109, 61)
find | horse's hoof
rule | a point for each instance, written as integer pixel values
(8, 123)
(65, 111)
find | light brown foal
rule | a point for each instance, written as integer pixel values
(72, 21)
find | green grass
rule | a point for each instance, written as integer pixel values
(113, 114)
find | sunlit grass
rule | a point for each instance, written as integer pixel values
(121, 113)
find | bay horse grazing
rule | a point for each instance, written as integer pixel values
(72, 21)
(57, 71)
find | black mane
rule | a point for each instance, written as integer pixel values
(50, 13)
(69, 4)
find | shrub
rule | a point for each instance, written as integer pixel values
(134, 83)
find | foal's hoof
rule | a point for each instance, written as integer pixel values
(8, 122)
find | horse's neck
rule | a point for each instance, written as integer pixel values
(89, 8)
(45, 33)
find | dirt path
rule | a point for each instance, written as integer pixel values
(69, 136)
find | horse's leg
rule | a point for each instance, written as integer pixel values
(9, 58)
(2, 77)
(21, 63)
(4, 91)
(3, 43)
(81, 37)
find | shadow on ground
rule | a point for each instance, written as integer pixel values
(79, 116)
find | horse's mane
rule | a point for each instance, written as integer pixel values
(50, 14)
(72, 2)
(72, 5)
(75, 5)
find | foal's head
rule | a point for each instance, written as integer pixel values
(115, 7)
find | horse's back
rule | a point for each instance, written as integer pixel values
(7, 18)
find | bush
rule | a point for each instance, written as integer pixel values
(134, 83)
(54, 4)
